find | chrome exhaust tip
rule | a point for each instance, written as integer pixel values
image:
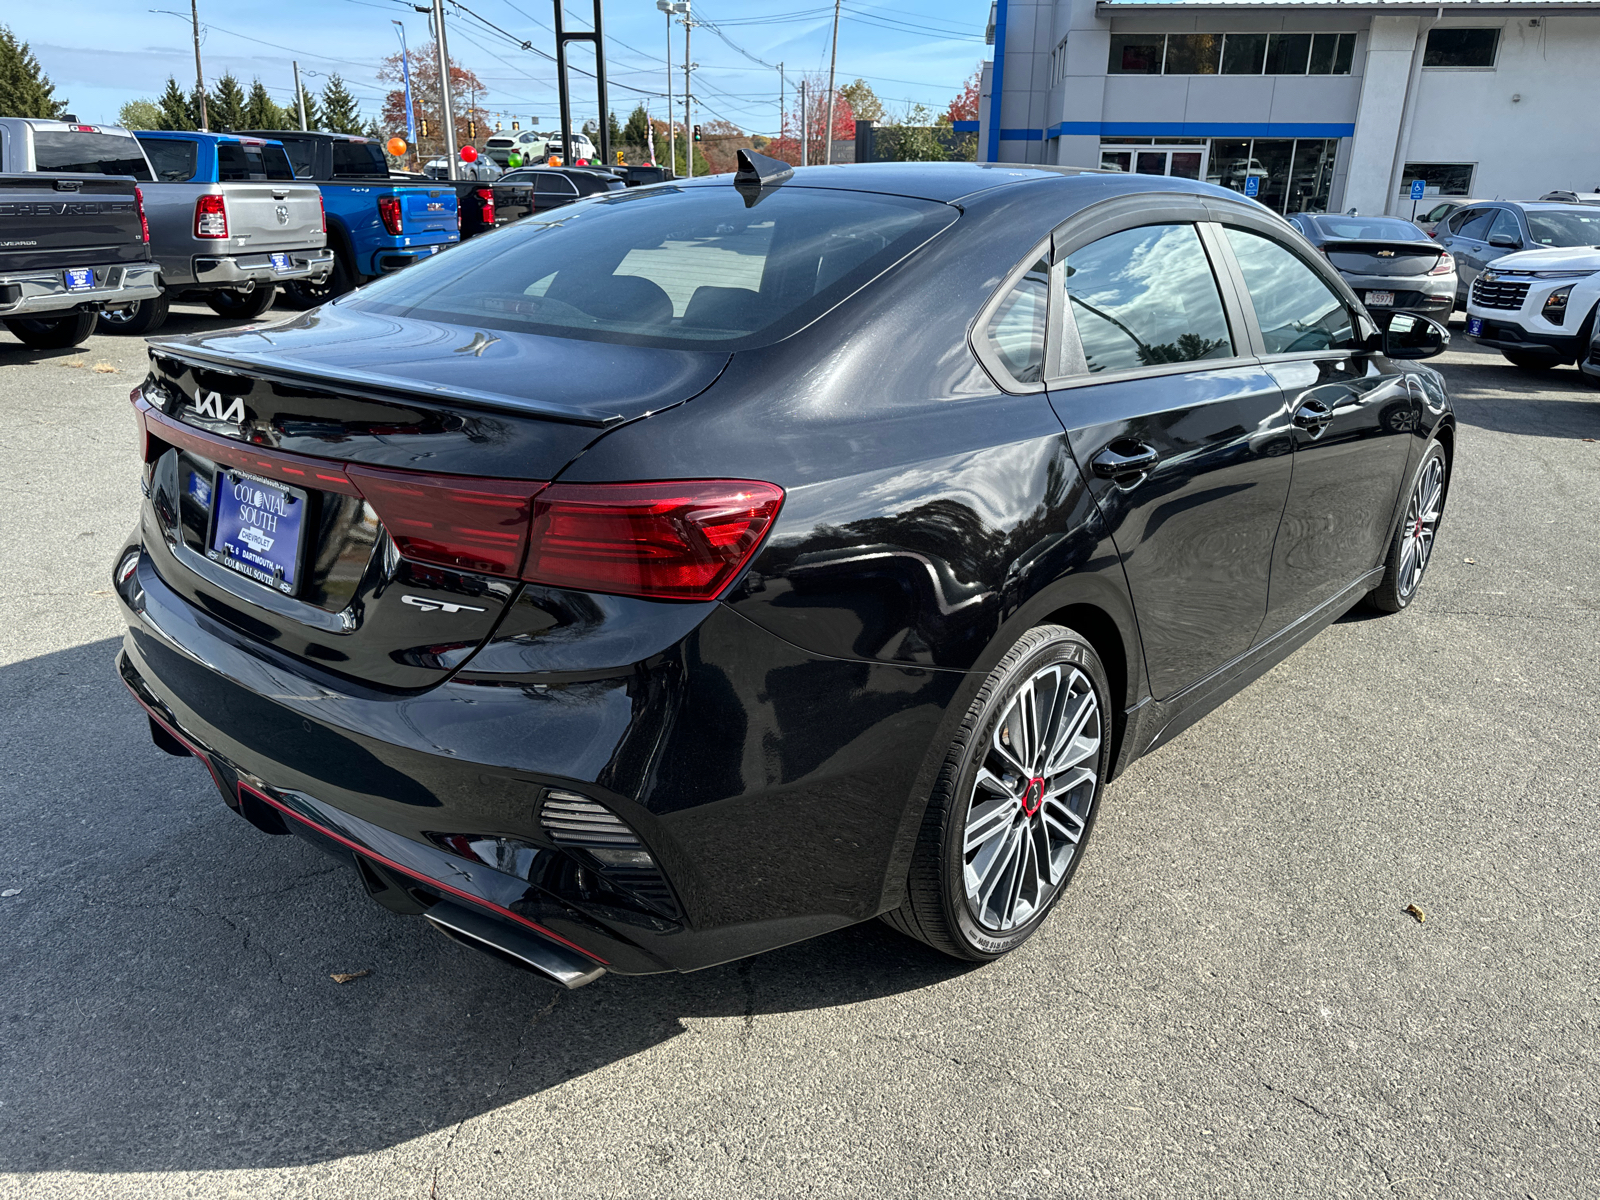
(525, 950)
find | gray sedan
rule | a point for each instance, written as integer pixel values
(1392, 265)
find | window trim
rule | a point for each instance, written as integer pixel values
(977, 332)
(1494, 59)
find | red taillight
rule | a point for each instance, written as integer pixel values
(485, 197)
(210, 217)
(144, 221)
(322, 212)
(681, 540)
(1444, 266)
(465, 524)
(389, 210)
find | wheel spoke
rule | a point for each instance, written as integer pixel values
(987, 821)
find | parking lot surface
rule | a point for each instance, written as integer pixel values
(1231, 1001)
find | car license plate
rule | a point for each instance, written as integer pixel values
(257, 528)
(79, 279)
(1474, 326)
(1382, 299)
(282, 262)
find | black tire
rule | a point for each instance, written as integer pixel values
(243, 306)
(1399, 586)
(139, 318)
(52, 333)
(936, 909)
(1524, 361)
(302, 293)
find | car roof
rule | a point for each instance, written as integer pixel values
(303, 135)
(186, 134)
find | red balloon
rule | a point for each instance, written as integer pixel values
(469, 154)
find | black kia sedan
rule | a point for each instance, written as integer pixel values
(704, 567)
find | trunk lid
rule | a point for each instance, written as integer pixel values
(273, 215)
(353, 461)
(88, 220)
(1383, 257)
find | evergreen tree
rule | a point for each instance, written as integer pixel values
(260, 112)
(140, 114)
(174, 105)
(25, 90)
(373, 131)
(340, 113)
(637, 131)
(291, 111)
(226, 103)
(614, 132)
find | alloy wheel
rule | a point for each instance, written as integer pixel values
(1422, 523)
(1030, 798)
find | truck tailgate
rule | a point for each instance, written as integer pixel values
(428, 209)
(273, 216)
(49, 221)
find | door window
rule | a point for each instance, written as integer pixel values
(1505, 224)
(1473, 224)
(1145, 297)
(547, 183)
(1295, 308)
(358, 160)
(1016, 331)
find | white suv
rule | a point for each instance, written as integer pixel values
(1537, 307)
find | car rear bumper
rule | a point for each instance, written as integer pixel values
(767, 823)
(44, 293)
(397, 258)
(234, 270)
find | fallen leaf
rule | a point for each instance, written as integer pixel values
(1471, 562)
(10, 892)
(1588, 439)
(346, 978)
(1412, 909)
(72, 362)
(104, 368)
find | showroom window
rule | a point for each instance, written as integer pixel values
(1438, 179)
(1461, 47)
(1231, 54)
(1145, 298)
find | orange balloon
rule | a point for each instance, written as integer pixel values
(396, 147)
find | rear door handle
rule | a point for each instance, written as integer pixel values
(1124, 457)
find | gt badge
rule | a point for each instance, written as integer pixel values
(438, 605)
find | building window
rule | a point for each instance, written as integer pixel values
(1230, 54)
(1058, 62)
(1439, 179)
(1461, 47)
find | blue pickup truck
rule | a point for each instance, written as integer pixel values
(376, 225)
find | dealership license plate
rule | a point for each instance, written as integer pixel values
(1474, 326)
(282, 262)
(257, 529)
(1382, 299)
(79, 279)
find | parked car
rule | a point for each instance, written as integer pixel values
(482, 169)
(376, 225)
(1483, 233)
(1589, 364)
(1392, 265)
(1573, 197)
(73, 235)
(526, 142)
(539, 189)
(1429, 219)
(841, 590)
(1537, 307)
(228, 224)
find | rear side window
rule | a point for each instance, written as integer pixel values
(172, 161)
(1295, 309)
(1016, 331)
(686, 267)
(1146, 297)
(236, 162)
(89, 153)
(358, 160)
(550, 184)
(1505, 224)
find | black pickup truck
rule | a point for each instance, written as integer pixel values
(71, 245)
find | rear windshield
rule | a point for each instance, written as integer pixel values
(670, 266)
(89, 153)
(302, 157)
(236, 162)
(173, 161)
(1370, 230)
(358, 160)
(1571, 228)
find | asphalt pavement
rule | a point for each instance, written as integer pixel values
(1232, 1001)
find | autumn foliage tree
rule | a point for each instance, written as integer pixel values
(965, 106)
(812, 123)
(464, 88)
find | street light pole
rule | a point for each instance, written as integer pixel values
(449, 116)
(805, 140)
(833, 60)
(672, 130)
(688, 136)
(299, 94)
(199, 79)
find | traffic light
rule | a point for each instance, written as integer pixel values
(472, 131)
(422, 125)
(516, 125)
(621, 162)
(497, 126)
(697, 133)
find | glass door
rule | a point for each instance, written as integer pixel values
(1186, 162)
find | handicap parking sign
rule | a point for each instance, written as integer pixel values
(1418, 186)
(1252, 186)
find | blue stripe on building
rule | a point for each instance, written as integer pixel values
(1239, 129)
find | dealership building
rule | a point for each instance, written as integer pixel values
(1313, 106)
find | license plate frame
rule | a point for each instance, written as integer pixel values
(1474, 326)
(78, 279)
(1380, 299)
(260, 535)
(281, 263)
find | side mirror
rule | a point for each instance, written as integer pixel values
(1412, 335)
(1505, 241)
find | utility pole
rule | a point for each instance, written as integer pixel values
(688, 139)
(448, 115)
(833, 60)
(299, 94)
(782, 96)
(668, 8)
(199, 79)
(805, 141)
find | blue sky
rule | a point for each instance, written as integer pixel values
(909, 50)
